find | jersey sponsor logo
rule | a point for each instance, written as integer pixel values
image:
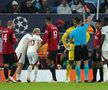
(21, 24)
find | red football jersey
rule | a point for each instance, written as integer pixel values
(8, 41)
(52, 37)
(97, 38)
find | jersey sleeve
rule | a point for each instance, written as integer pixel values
(65, 35)
(103, 31)
(85, 26)
(46, 35)
(88, 37)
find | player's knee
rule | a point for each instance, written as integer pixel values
(86, 62)
(71, 62)
(6, 65)
(20, 65)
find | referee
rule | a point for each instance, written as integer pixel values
(80, 51)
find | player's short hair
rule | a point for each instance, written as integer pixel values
(36, 29)
(98, 21)
(10, 23)
(48, 19)
(106, 21)
(77, 20)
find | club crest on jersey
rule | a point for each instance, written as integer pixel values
(20, 24)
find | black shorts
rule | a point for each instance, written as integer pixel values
(52, 54)
(81, 53)
(8, 59)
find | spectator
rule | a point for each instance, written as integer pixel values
(14, 8)
(77, 6)
(56, 3)
(64, 8)
(104, 7)
(36, 3)
(44, 7)
(29, 8)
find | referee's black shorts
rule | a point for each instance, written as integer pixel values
(81, 53)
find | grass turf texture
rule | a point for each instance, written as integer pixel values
(53, 86)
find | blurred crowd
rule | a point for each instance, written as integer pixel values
(58, 6)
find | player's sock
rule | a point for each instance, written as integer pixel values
(17, 76)
(86, 70)
(75, 76)
(68, 69)
(29, 71)
(52, 69)
(35, 73)
(94, 74)
(78, 72)
(6, 72)
(101, 74)
(13, 70)
(105, 71)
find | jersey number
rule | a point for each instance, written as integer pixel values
(55, 34)
(4, 37)
(32, 42)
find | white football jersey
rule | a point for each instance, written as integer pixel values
(32, 45)
(105, 43)
(23, 44)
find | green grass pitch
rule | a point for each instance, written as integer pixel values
(53, 86)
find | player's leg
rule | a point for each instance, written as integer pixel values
(85, 58)
(12, 67)
(77, 57)
(70, 63)
(105, 67)
(78, 63)
(69, 66)
(35, 72)
(94, 66)
(6, 66)
(52, 65)
(29, 55)
(35, 63)
(86, 70)
(101, 74)
(21, 58)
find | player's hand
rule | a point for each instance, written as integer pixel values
(68, 47)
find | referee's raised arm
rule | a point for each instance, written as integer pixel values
(88, 20)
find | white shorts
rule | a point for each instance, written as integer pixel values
(21, 57)
(105, 55)
(33, 58)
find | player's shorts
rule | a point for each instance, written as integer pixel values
(105, 55)
(71, 52)
(8, 59)
(33, 58)
(20, 57)
(81, 53)
(52, 54)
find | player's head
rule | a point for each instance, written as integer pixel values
(105, 21)
(48, 20)
(98, 24)
(77, 21)
(10, 24)
(36, 31)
